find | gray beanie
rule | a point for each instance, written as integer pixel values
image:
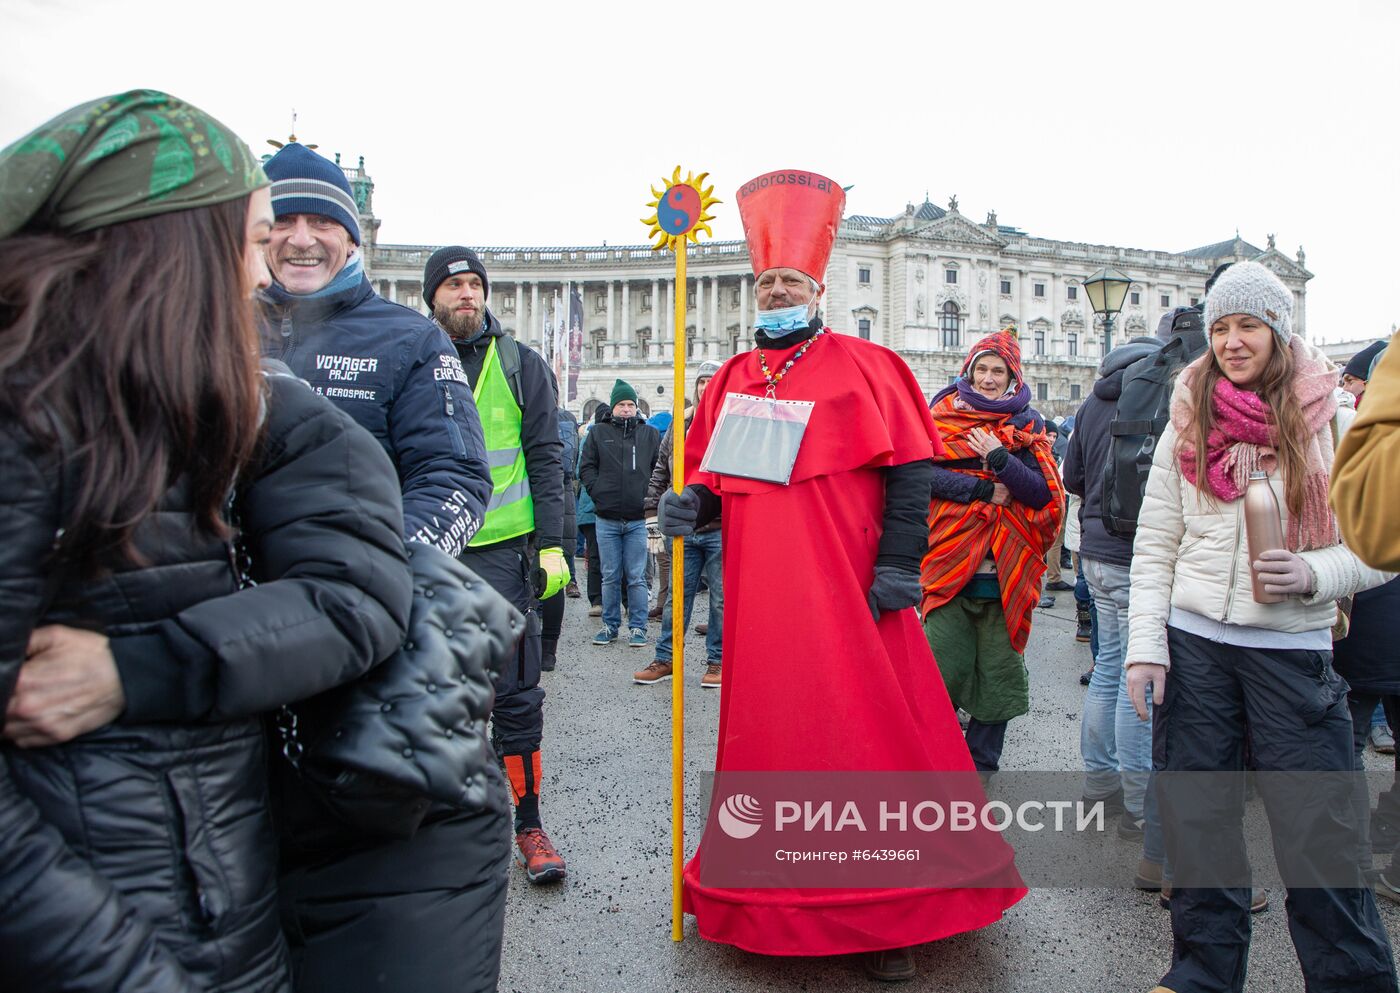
(1249, 288)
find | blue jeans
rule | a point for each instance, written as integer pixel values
(702, 556)
(1111, 738)
(622, 548)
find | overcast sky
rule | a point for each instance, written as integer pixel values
(1148, 125)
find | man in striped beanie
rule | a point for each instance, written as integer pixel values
(397, 375)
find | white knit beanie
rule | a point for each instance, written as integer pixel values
(1250, 288)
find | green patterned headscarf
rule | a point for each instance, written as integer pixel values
(136, 154)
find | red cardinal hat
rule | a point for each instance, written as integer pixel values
(790, 220)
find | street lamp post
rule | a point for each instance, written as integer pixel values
(1107, 290)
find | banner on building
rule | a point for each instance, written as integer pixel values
(574, 342)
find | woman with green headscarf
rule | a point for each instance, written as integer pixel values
(138, 843)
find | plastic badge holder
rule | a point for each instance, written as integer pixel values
(757, 437)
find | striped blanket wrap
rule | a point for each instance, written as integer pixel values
(962, 534)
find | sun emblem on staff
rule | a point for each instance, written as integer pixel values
(681, 210)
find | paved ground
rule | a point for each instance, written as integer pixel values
(606, 804)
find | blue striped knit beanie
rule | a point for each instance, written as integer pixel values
(306, 183)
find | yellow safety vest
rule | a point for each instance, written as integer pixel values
(510, 511)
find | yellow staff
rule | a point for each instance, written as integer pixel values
(682, 209)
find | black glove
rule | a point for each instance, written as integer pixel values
(893, 589)
(676, 513)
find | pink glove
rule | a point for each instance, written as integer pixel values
(1284, 572)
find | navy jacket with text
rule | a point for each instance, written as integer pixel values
(397, 374)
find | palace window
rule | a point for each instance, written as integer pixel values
(1040, 341)
(1166, 300)
(508, 304)
(1135, 298)
(1195, 301)
(1039, 289)
(950, 275)
(863, 327)
(1073, 292)
(863, 275)
(1006, 287)
(950, 322)
(1074, 393)
(1073, 344)
(1042, 391)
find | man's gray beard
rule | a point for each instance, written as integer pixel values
(460, 326)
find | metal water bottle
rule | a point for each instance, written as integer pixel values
(1263, 528)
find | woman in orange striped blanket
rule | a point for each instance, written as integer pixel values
(997, 506)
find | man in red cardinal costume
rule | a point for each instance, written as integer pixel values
(826, 668)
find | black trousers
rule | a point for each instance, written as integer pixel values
(552, 615)
(985, 743)
(1298, 721)
(595, 564)
(1385, 823)
(517, 721)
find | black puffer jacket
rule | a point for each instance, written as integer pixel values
(1088, 452)
(416, 726)
(141, 856)
(618, 457)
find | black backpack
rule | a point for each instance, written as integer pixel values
(1139, 419)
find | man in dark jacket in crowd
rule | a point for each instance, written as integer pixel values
(618, 457)
(1358, 370)
(1111, 738)
(387, 366)
(703, 557)
(348, 896)
(523, 531)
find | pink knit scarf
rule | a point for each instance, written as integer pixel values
(1244, 440)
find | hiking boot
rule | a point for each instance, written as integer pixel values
(1046, 602)
(892, 965)
(605, 637)
(572, 591)
(656, 672)
(1084, 630)
(548, 646)
(702, 629)
(1059, 586)
(1087, 675)
(1382, 741)
(1130, 827)
(710, 681)
(638, 639)
(537, 854)
(1149, 876)
(595, 610)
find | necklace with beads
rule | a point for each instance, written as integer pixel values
(773, 380)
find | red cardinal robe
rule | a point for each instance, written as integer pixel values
(811, 682)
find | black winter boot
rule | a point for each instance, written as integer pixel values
(1086, 625)
(547, 659)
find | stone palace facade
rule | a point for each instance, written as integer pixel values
(926, 282)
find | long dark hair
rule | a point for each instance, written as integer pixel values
(133, 349)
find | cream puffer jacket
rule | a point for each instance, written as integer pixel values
(1191, 553)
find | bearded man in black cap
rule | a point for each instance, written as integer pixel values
(518, 549)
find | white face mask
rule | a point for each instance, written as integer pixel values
(784, 318)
